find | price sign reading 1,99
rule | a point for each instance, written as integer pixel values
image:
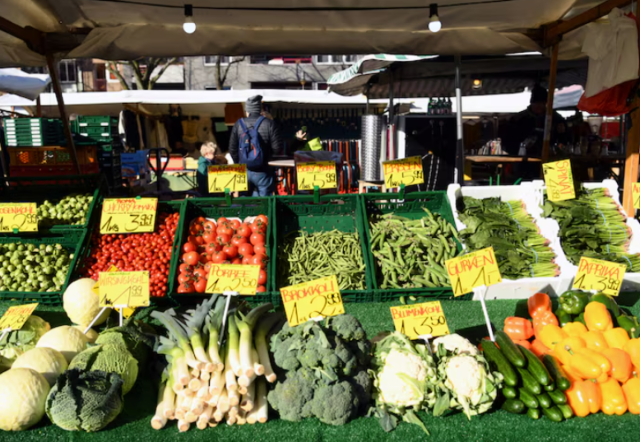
(321, 174)
(22, 217)
(407, 171)
(124, 289)
(128, 215)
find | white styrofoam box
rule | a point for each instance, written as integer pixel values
(528, 193)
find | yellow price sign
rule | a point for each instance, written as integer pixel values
(321, 174)
(239, 278)
(128, 215)
(96, 289)
(603, 276)
(420, 319)
(407, 171)
(22, 217)
(124, 289)
(317, 298)
(473, 270)
(16, 316)
(229, 176)
(559, 180)
(636, 195)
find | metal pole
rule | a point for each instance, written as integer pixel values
(548, 122)
(392, 134)
(459, 165)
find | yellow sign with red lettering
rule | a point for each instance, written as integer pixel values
(604, 276)
(473, 270)
(313, 299)
(239, 278)
(228, 176)
(420, 319)
(559, 180)
(128, 215)
(18, 217)
(15, 317)
(636, 195)
(407, 171)
(124, 289)
(321, 174)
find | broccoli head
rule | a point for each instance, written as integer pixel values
(363, 384)
(347, 327)
(293, 397)
(348, 361)
(285, 349)
(362, 351)
(335, 404)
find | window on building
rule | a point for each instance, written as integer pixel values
(288, 85)
(336, 59)
(281, 59)
(68, 71)
(213, 59)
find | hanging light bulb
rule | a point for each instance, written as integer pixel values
(189, 26)
(477, 84)
(434, 20)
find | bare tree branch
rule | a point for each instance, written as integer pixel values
(221, 77)
(168, 63)
(113, 69)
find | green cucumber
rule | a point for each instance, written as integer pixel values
(544, 400)
(549, 387)
(514, 406)
(509, 392)
(527, 398)
(529, 382)
(553, 414)
(533, 413)
(557, 372)
(509, 349)
(536, 367)
(558, 397)
(495, 355)
(566, 411)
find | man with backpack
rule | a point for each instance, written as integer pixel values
(254, 141)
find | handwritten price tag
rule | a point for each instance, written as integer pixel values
(321, 174)
(124, 289)
(636, 195)
(320, 297)
(96, 289)
(559, 180)
(420, 319)
(233, 278)
(473, 270)
(230, 176)
(128, 215)
(16, 316)
(407, 171)
(21, 216)
(603, 276)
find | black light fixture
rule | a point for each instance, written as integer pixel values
(189, 25)
(434, 20)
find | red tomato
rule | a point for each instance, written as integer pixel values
(223, 239)
(192, 239)
(219, 257)
(262, 219)
(200, 220)
(207, 268)
(235, 223)
(200, 285)
(212, 248)
(261, 289)
(236, 261)
(256, 238)
(209, 237)
(189, 247)
(262, 277)
(257, 228)
(247, 259)
(237, 240)
(210, 227)
(244, 230)
(186, 287)
(260, 248)
(231, 251)
(204, 258)
(260, 260)
(222, 220)
(245, 250)
(191, 258)
(199, 240)
(184, 277)
(224, 229)
(184, 268)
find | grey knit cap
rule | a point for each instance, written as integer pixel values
(253, 104)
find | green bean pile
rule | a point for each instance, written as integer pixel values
(324, 254)
(412, 253)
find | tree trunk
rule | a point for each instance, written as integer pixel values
(219, 79)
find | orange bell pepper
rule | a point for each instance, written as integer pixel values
(539, 349)
(541, 319)
(564, 349)
(589, 364)
(551, 334)
(632, 347)
(595, 340)
(621, 367)
(616, 337)
(613, 400)
(524, 343)
(631, 390)
(597, 317)
(540, 302)
(518, 329)
(575, 329)
(584, 398)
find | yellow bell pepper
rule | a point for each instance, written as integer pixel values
(613, 400)
(616, 337)
(597, 317)
(584, 398)
(631, 390)
(632, 347)
(621, 367)
(595, 340)
(589, 364)
(564, 349)
(551, 334)
(571, 374)
(577, 329)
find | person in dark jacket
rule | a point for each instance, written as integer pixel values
(261, 180)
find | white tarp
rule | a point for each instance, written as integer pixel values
(15, 81)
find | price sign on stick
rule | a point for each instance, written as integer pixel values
(636, 195)
(229, 176)
(22, 217)
(309, 300)
(559, 180)
(407, 171)
(124, 289)
(128, 215)
(603, 276)
(473, 270)
(321, 174)
(96, 289)
(15, 317)
(242, 279)
(420, 319)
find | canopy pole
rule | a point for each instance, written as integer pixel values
(392, 117)
(459, 165)
(55, 79)
(633, 151)
(38, 107)
(549, 116)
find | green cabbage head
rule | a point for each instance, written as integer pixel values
(111, 358)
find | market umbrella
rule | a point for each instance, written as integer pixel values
(17, 82)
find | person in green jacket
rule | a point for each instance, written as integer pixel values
(210, 155)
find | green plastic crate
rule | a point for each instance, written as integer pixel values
(411, 207)
(96, 120)
(341, 212)
(73, 242)
(215, 208)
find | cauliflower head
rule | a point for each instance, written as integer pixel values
(455, 344)
(398, 379)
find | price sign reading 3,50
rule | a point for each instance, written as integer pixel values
(559, 180)
(242, 279)
(16, 316)
(128, 215)
(317, 298)
(230, 176)
(407, 171)
(22, 217)
(124, 289)
(603, 276)
(420, 319)
(321, 174)
(473, 270)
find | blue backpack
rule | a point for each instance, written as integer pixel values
(250, 152)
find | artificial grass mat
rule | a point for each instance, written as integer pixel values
(463, 316)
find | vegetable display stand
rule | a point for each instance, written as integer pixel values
(214, 208)
(298, 215)
(412, 207)
(72, 242)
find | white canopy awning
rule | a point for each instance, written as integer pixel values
(15, 81)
